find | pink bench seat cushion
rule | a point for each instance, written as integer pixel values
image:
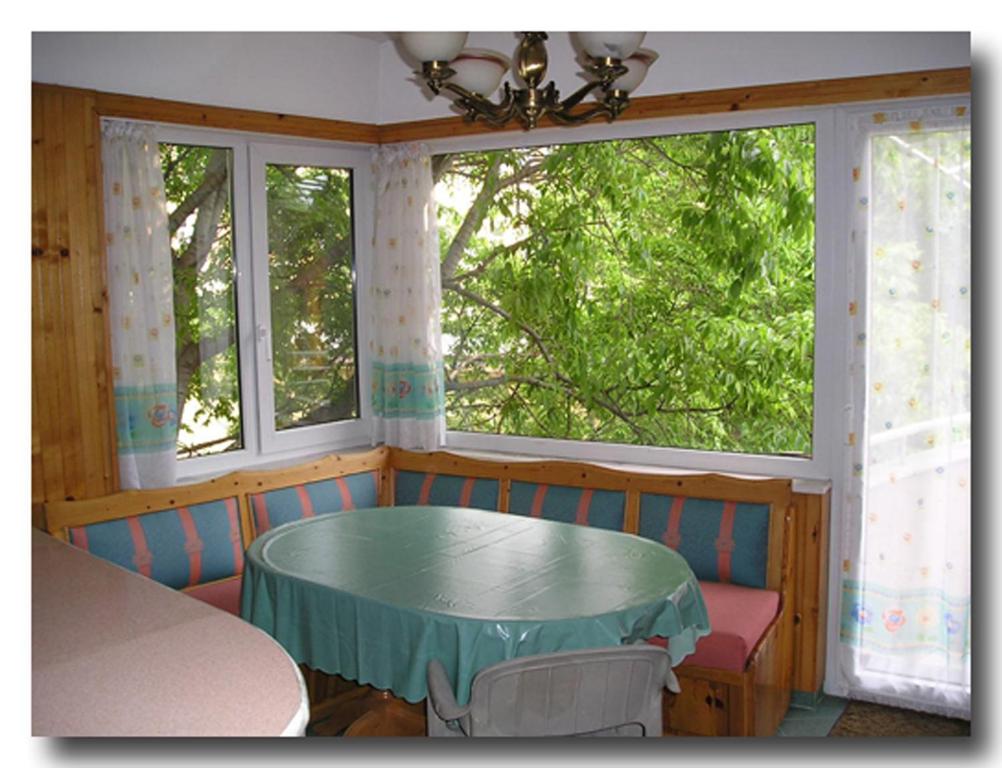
(224, 595)
(739, 616)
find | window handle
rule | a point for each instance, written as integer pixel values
(263, 337)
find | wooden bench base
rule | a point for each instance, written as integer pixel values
(716, 702)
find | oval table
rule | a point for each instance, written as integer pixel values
(117, 654)
(374, 594)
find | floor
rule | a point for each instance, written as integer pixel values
(817, 721)
(800, 722)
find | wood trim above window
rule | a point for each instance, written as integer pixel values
(225, 118)
(936, 82)
(809, 93)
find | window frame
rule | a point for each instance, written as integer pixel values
(829, 296)
(317, 435)
(263, 444)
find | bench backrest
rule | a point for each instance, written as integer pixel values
(182, 536)
(729, 529)
(332, 484)
(194, 534)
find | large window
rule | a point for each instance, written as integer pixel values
(655, 291)
(264, 248)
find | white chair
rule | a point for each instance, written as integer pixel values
(599, 692)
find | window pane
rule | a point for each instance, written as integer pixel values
(311, 274)
(198, 183)
(654, 291)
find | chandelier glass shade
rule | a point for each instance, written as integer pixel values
(614, 61)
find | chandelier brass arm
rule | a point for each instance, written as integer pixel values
(531, 103)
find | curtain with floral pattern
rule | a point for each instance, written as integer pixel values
(141, 297)
(405, 337)
(905, 609)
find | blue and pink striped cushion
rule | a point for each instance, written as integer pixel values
(722, 541)
(446, 490)
(283, 505)
(180, 547)
(585, 506)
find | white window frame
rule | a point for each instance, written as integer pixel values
(829, 298)
(262, 444)
(318, 435)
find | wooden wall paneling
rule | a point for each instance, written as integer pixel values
(72, 416)
(811, 594)
(85, 343)
(49, 346)
(42, 442)
(100, 317)
(60, 126)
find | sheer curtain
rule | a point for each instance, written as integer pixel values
(904, 636)
(408, 380)
(141, 297)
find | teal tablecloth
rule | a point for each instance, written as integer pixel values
(374, 594)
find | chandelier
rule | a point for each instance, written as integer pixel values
(614, 61)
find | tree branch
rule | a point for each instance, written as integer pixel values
(215, 176)
(191, 356)
(472, 221)
(476, 299)
(476, 213)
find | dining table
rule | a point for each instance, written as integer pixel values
(116, 654)
(372, 595)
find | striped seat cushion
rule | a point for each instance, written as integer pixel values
(585, 506)
(722, 541)
(180, 547)
(445, 490)
(283, 505)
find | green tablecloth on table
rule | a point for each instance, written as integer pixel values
(374, 594)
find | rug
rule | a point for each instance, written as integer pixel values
(862, 719)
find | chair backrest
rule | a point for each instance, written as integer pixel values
(606, 691)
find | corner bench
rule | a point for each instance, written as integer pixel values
(734, 532)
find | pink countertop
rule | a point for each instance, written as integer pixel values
(117, 654)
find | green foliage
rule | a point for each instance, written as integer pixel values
(655, 291)
(311, 277)
(649, 291)
(197, 186)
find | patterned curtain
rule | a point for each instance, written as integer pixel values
(408, 380)
(905, 594)
(141, 295)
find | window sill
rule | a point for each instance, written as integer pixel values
(206, 470)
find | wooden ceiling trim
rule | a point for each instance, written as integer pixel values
(808, 93)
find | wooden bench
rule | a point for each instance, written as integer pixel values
(734, 532)
(193, 537)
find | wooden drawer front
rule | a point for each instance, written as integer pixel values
(701, 709)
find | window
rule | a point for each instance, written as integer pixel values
(265, 252)
(198, 185)
(311, 277)
(654, 291)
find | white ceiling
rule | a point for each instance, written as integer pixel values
(379, 37)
